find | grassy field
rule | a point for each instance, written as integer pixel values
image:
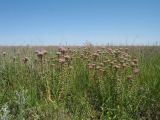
(80, 83)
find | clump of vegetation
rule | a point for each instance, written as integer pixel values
(87, 83)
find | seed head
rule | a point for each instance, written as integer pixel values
(123, 65)
(61, 60)
(122, 61)
(62, 50)
(129, 77)
(105, 62)
(52, 58)
(101, 64)
(116, 67)
(82, 55)
(136, 71)
(126, 50)
(108, 61)
(132, 64)
(90, 66)
(14, 59)
(45, 52)
(98, 51)
(109, 50)
(101, 70)
(4, 53)
(41, 54)
(70, 67)
(112, 63)
(25, 60)
(58, 54)
(98, 67)
(67, 57)
(95, 54)
(94, 65)
(85, 57)
(135, 61)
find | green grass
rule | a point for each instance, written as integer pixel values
(86, 83)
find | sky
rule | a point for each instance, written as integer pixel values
(78, 22)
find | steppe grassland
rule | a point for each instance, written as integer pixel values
(89, 83)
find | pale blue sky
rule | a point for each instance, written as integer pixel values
(57, 22)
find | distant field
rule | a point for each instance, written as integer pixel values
(80, 83)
